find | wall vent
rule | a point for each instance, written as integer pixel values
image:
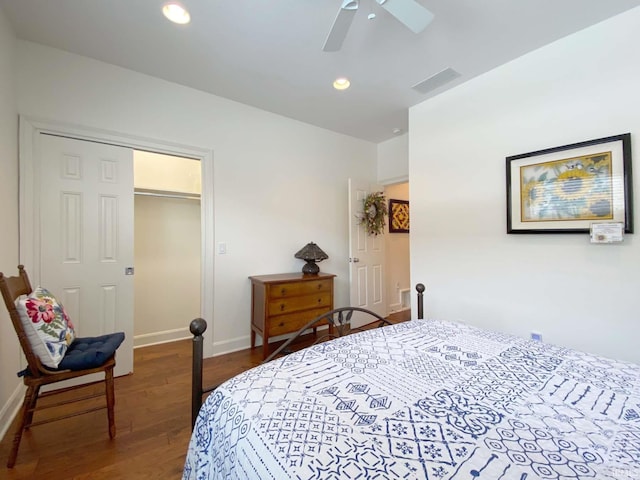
(405, 298)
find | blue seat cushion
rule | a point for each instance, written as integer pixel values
(90, 352)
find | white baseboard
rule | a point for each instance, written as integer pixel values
(395, 307)
(219, 348)
(232, 345)
(156, 338)
(244, 342)
(10, 409)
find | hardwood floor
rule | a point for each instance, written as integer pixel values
(152, 419)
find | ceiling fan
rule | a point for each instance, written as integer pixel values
(409, 12)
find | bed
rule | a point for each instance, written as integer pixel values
(423, 399)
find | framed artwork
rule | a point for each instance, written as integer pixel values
(566, 189)
(398, 216)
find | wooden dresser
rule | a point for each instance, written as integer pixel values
(285, 302)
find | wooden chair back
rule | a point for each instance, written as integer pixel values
(12, 288)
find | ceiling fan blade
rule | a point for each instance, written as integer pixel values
(340, 26)
(411, 13)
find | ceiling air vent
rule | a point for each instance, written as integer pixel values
(437, 80)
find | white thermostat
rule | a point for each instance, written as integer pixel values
(607, 232)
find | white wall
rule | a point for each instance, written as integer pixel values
(278, 183)
(173, 174)
(10, 355)
(393, 160)
(397, 255)
(393, 172)
(582, 87)
(167, 262)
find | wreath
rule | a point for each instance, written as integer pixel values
(373, 213)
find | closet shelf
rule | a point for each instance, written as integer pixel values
(167, 194)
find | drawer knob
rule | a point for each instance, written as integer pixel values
(282, 305)
(320, 300)
(283, 291)
(281, 324)
(319, 286)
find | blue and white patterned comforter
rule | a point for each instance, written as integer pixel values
(423, 400)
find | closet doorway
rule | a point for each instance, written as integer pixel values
(397, 258)
(167, 246)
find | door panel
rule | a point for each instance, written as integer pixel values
(86, 229)
(366, 257)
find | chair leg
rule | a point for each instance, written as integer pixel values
(30, 397)
(32, 407)
(111, 401)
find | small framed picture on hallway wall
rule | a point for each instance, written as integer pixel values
(398, 216)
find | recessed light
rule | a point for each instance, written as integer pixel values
(175, 12)
(396, 131)
(341, 83)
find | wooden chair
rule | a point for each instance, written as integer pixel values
(37, 375)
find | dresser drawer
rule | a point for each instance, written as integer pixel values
(283, 303)
(303, 302)
(293, 289)
(294, 321)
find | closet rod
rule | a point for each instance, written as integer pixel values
(182, 196)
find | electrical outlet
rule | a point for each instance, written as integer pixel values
(537, 336)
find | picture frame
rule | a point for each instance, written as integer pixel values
(398, 216)
(566, 189)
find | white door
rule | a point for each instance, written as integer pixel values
(86, 235)
(366, 257)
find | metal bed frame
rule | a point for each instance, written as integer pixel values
(339, 321)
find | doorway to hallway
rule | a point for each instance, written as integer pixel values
(397, 257)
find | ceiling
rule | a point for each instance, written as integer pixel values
(268, 53)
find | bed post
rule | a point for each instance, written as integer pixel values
(197, 328)
(420, 289)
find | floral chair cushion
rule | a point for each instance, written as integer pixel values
(47, 325)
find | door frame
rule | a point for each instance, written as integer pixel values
(385, 183)
(29, 149)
